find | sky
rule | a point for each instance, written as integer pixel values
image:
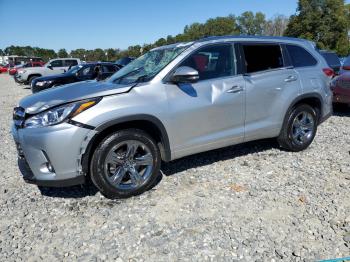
(91, 24)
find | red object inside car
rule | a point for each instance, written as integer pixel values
(201, 62)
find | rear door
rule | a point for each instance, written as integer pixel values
(271, 86)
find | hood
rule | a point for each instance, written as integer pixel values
(44, 100)
(52, 77)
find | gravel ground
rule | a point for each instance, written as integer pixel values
(251, 202)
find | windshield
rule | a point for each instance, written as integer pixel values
(74, 69)
(148, 65)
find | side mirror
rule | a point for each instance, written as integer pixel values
(185, 74)
(50, 67)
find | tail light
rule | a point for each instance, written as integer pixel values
(346, 67)
(328, 72)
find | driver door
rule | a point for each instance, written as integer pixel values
(208, 114)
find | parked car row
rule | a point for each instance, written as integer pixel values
(61, 71)
(171, 102)
(81, 72)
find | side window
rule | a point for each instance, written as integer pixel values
(70, 62)
(86, 71)
(108, 69)
(259, 57)
(300, 57)
(212, 61)
(56, 63)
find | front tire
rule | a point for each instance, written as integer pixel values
(299, 128)
(126, 163)
(31, 79)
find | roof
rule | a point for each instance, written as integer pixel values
(238, 37)
(272, 38)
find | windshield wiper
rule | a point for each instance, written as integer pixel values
(130, 73)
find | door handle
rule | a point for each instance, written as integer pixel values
(235, 89)
(291, 79)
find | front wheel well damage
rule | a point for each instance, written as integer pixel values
(156, 131)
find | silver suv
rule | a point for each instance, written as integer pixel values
(53, 67)
(172, 102)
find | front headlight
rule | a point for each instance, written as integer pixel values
(22, 71)
(43, 83)
(59, 114)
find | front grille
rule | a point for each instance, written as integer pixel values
(18, 116)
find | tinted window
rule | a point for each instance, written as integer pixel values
(212, 61)
(262, 57)
(86, 71)
(108, 69)
(56, 63)
(300, 57)
(70, 62)
(331, 58)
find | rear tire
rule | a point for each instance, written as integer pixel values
(126, 163)
(299, 128)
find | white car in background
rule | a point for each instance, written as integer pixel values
(53, 67)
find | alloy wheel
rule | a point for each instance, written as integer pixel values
(128, 165)
(303, 128)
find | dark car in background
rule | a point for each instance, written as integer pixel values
(346, 65)
(332, 60)
(124, 61)
(82, 72)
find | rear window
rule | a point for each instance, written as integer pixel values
(331, 58)
(262, 57)
(70, 62)
(300, 57)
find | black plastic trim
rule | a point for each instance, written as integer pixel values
(72, 122)
(308, 95)
(29, 177)
(166, 152)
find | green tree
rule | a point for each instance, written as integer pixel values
(276, 26)
(79, 53)
(62, 53)
(251, 24)
(326, 22)
(220, 26)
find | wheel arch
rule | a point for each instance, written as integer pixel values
(148, 123)
(34, 74)
(312, 99)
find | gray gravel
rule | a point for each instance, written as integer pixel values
(251, 202)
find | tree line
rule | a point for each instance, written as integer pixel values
(325, 22)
